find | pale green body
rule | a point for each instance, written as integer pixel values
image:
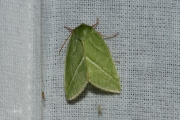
(88, 59)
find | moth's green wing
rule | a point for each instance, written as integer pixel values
(75, 69)
(102, 72)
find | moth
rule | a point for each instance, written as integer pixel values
(88, 60)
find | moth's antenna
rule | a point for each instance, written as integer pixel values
(97, 22)
(106, 37)
(68, 28)
(66, 38)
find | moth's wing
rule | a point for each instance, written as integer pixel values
(75, 69)
(102, 72)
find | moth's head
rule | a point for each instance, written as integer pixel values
(83, 31)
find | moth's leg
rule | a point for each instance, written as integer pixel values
(97, 22)
(107, 37)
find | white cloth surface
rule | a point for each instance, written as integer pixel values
(20, 60)
(147, 50)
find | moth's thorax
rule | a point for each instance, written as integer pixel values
(83, 31)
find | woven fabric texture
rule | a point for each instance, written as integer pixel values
(147, 51)
(20, 60)
(147, 48)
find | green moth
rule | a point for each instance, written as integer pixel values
(88, 60)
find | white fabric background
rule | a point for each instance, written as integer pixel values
(20, 60)
(147, 48)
